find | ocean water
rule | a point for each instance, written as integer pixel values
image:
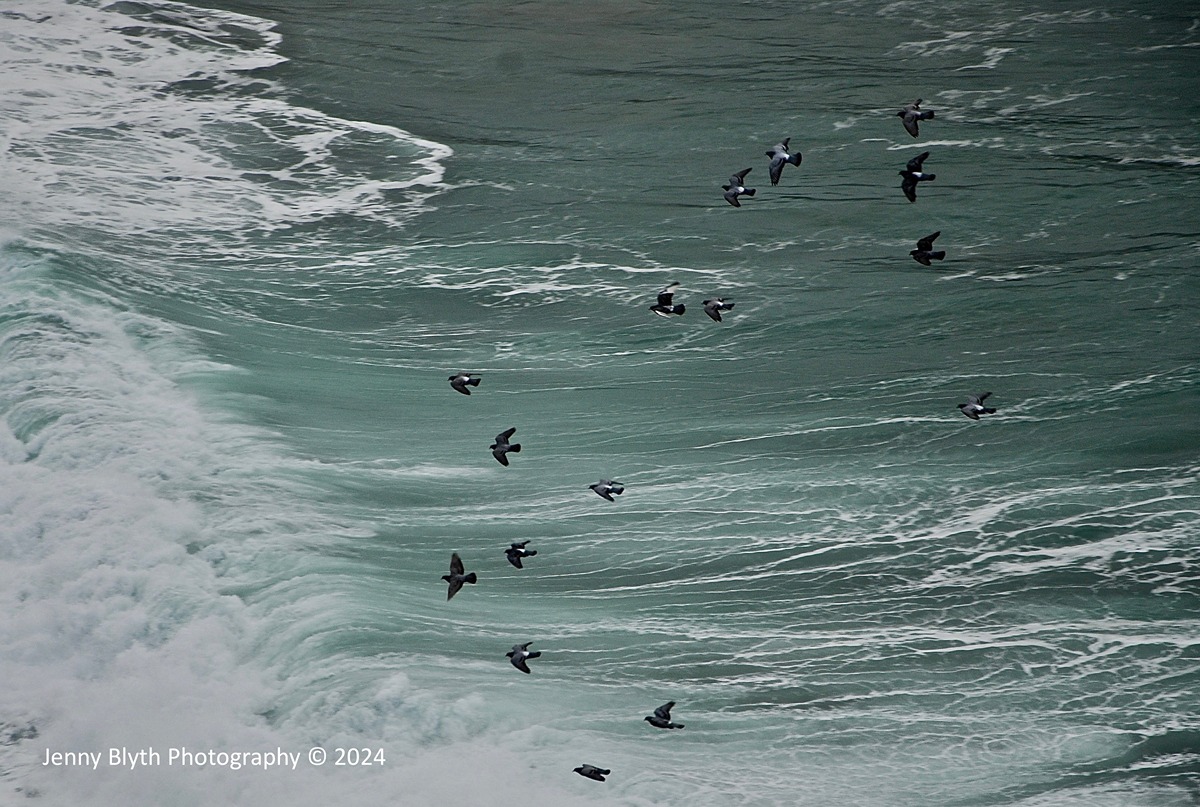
(242, 248)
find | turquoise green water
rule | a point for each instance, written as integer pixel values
(243, 249)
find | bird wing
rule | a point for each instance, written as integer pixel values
(910, 123)
(740, 176)
(456, 564)
(664, 711)
(456, 583)
(514, 557)
(926, 243)
(731, 197)
(711, 308)
(501, 456)
(503, 436)
(776, 168)
(916, 162)
(978, 399)
(518, 661)
(909, 186)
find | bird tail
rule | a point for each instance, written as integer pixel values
(929, 177)
(529, 553)
(750, 191)
(679, 309)
(939, 255)
(987, 410)
(795, 159)
(927, 115)
(534, 654)
(474, 382)
(677, 725)
(517, 446)
(470, 578)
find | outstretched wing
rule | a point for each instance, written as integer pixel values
(664, 711)
(916, 162)
(456, 564)
(666, 295)
(926, 243)
(504, 436)
(776, 168)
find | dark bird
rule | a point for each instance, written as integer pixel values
(737, 187)
(715, 306)
(974, 407)
(456, 578)
(924, 253)
(911, 113)
(606, 488)
(592, 772)
(461, 381)
(913, 174)
(779, 158)
(665, 307)
(662, 717)
(501, 447)
(517, 551)
(519, 654)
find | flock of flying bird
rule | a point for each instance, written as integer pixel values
(665, 306)
(913, 173)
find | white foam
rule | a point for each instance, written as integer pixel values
(993, 57)
(101, 132)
